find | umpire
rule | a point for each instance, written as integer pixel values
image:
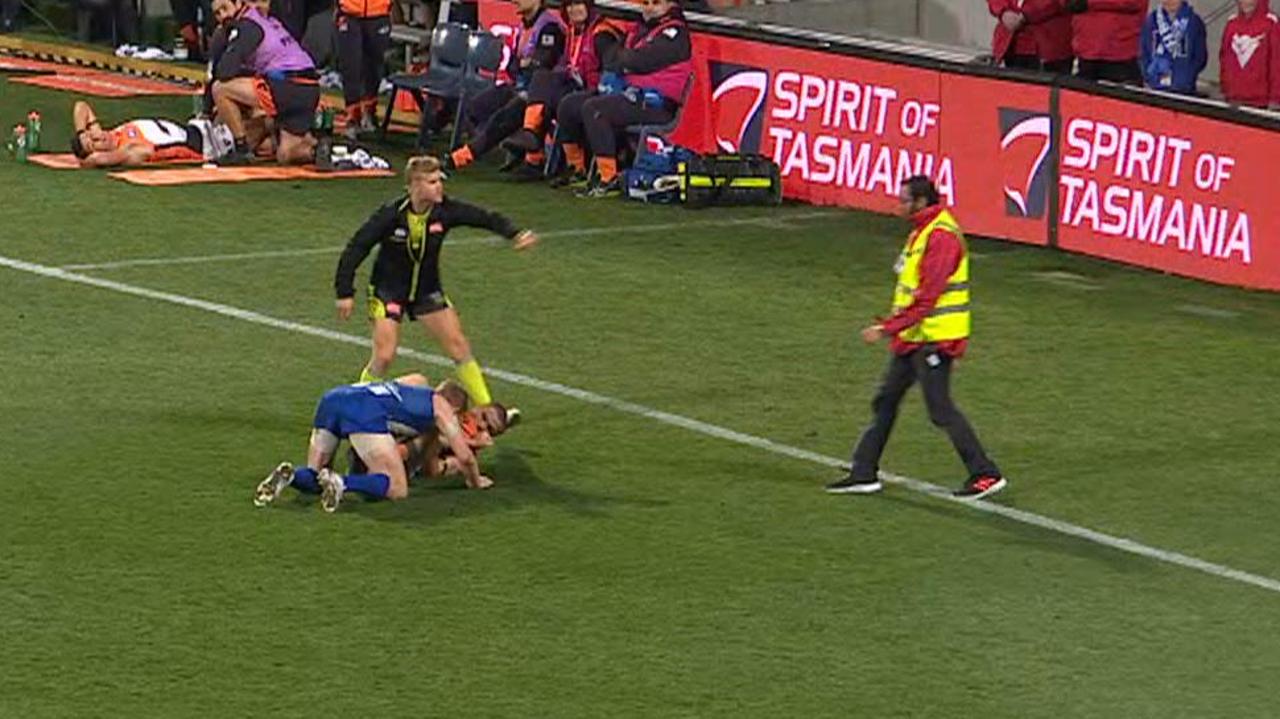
(928, 332)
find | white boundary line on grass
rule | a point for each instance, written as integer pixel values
(464, 241)
(675, 420)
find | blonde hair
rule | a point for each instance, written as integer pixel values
(421, 165)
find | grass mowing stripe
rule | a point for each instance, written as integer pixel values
(584, 232)
(705, 428)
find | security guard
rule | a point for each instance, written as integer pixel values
(405, 281)
(928, 331)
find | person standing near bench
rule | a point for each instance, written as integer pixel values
(928, 332)
(364, 35)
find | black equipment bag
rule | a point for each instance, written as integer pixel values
(730, 181)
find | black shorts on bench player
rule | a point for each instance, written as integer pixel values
(498, 111)
(283, 84)
(653, 65)
(589, 38)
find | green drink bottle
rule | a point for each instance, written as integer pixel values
(33, 131)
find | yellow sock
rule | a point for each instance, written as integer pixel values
(367, 376)
(472, 380)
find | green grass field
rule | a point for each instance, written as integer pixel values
(623, 567)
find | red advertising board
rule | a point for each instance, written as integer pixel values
(1168, 190)
(1001, 137)
(846, 131)
(1172, 191)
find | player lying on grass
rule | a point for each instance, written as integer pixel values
(149, 139)
(366, 415)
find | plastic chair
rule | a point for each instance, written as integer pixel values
(484, 58)
(643, 132)
(450, 49)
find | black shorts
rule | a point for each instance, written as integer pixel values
(383, 306)
(290, 101)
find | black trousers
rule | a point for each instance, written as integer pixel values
(548, 88)
(1031, 62)
(1124, 71)
(932, 369)
(98, 22)
(496, 113)
(601, 118)
(362, 50)
(9, 15)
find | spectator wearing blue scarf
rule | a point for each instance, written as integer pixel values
(1174, 48)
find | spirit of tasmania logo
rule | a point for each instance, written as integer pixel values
(739, 94)
(1026, 141)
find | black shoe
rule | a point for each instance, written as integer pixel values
(236, 158)
(854, 485)
(979, 487)
(527, 173)
(522, 141)
(574, 179)
(513, 417)
(601, 190)
(513, 161)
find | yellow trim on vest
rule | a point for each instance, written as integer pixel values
(950, 318)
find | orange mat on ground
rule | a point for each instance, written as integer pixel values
(106, 84)
(21, 64)
(56, 161)
(199, 175)
(68, 161)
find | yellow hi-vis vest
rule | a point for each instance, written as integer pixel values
(949, 319)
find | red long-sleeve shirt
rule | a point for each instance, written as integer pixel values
(1046, 34)
(1109, 30)
(1250, 56)
(941, 258)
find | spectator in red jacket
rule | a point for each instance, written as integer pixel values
(1032, 35)
(1105, 35)
(1250, 56)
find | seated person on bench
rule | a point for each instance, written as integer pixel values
(651, 71)
(499, 110)
(591, 38)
